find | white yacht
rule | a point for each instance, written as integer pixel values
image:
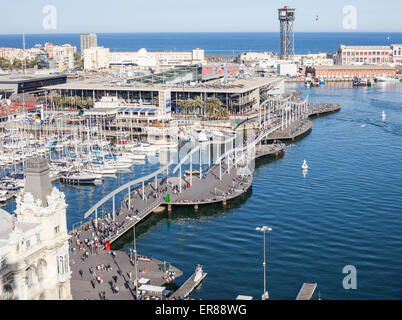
(386, 79)
(134, 156)
(145, 147)
(304, 165)
(163, 145)
(3, 195)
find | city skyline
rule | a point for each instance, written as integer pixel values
(45, 16)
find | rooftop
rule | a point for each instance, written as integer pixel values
(364, 67)
(365, 47)
(20, 77)
(235, 86)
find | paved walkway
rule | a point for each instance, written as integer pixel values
(87, 248)
(292, 131)
(96, 271)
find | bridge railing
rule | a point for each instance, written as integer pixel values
(154, 204)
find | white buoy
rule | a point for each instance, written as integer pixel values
(304, 165)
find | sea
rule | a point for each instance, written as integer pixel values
(346, 211)
(213, 43)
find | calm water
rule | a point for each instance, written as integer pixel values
(345, 211)
(213, 43)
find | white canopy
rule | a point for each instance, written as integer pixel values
(153, 289)
(143, 281)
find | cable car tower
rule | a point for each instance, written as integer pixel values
(287, 17)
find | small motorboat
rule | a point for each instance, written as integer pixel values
(304, 165)
(383, 115)
(363, 125)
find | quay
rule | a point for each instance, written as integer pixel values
(264, 150)
(226, 178)
(294, 131)
(111, 272)
(307, 291)
(303, 126)
(322, 109)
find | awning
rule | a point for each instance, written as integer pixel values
(143, 281)
(152, 289)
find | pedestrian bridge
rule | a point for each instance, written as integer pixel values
(215, 184)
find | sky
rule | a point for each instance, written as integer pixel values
(114, 16)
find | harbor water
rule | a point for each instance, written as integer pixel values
(345, 211)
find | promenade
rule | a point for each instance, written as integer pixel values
(98, 274)
(225, 180)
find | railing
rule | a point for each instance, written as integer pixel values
(124, 187)
(77, 225)
(141, 215)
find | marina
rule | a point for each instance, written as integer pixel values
(200, 166)
(84, 156)
(136, 206)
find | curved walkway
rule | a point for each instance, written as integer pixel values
(222, 181)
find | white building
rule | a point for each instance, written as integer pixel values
(287, 69)
(253, 58)
(313, 59)
(96, 58)
(88, 41)
(361, 55)
(144, 58)
(63, 55)
(34, 258)
(396, 53)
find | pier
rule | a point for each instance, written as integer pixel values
(226, 178)
(188, 287)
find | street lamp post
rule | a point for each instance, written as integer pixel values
(264, 229)
(135, 265)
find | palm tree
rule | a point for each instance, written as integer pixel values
(198, 104)
(216, 110)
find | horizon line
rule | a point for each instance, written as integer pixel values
(189, 32)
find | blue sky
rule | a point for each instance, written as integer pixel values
(101, 16)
